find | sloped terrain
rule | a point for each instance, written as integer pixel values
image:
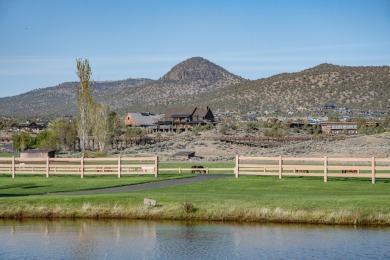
(199, 82)
(207, 147)
(364, 88)
(181, 85)
(188, 78)
(61, 100)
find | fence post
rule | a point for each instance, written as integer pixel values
(325, 169)
(119, 166)
(13, 167)
(280, 167)
(82, 167)
(156, 166)
(207, 170)
(236, 168)
(179, 169)
(47, 167)
(373, 170)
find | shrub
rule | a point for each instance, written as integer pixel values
(233, 126)
(134, 131)
(188, 207)
(208, 126)
(197, 129)
(251, 126)
(275, 131)
(23, 141)
(223, 128)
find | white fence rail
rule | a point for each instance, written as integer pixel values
(324, 167)
(79, 166)
(321, 167)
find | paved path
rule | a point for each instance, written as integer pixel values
(150, 185)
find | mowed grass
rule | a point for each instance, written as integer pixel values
(289, 193)
(248, 198)
(23, 185)
(9, 154)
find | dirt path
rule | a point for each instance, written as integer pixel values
(146, 186)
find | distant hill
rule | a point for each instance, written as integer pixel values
(363, 88)
(190, 77)
(61, 99)
(197, 81)
(185, 81)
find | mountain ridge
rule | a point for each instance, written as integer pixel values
(197, 81)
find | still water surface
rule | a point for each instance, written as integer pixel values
(129, 239)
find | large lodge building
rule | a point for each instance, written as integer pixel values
(175, 119)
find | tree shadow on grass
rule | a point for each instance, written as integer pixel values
(33, 186)
(12, 195)
(23, 186)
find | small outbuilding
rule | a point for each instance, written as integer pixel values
(37, 154)
(185, 154)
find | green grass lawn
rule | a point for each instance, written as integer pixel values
(248, 198)
(9, 154)
(23, 185)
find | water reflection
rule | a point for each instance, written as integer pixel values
(132, 239)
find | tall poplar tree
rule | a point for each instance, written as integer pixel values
(84, 101)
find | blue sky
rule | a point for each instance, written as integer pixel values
(40, 40)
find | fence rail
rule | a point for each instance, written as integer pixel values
(280, 166)
(321, 167)
(206, 170)
(79, 166)
(275, 141)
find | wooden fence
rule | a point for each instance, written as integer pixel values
(321, 167)
(324, 167)
(79, 166)
(206, 170)
(276, 141)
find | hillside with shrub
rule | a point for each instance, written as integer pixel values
(199, 82)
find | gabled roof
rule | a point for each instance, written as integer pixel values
(185, 153)
(144, 119)
(28, 124)
(185, 112)
(179, 112)
(201, 112)
(38, 151)
(180, 115)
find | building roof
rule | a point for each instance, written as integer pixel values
(144, 119)
(201, 112)
(184, 153)
(338, 123)
(38, 151)
(179, 112)
(180, 115)
(184, 112)
(28, 124)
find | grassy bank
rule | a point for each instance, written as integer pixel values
(249, 198)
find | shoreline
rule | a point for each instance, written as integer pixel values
(186, 212)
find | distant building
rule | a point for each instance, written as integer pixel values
(28, 127)
(185, 154)
(343, 127)
(141, 119)
(339, 127)
(37, 154)
(186, 118)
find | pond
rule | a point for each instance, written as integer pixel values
(140, 239)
